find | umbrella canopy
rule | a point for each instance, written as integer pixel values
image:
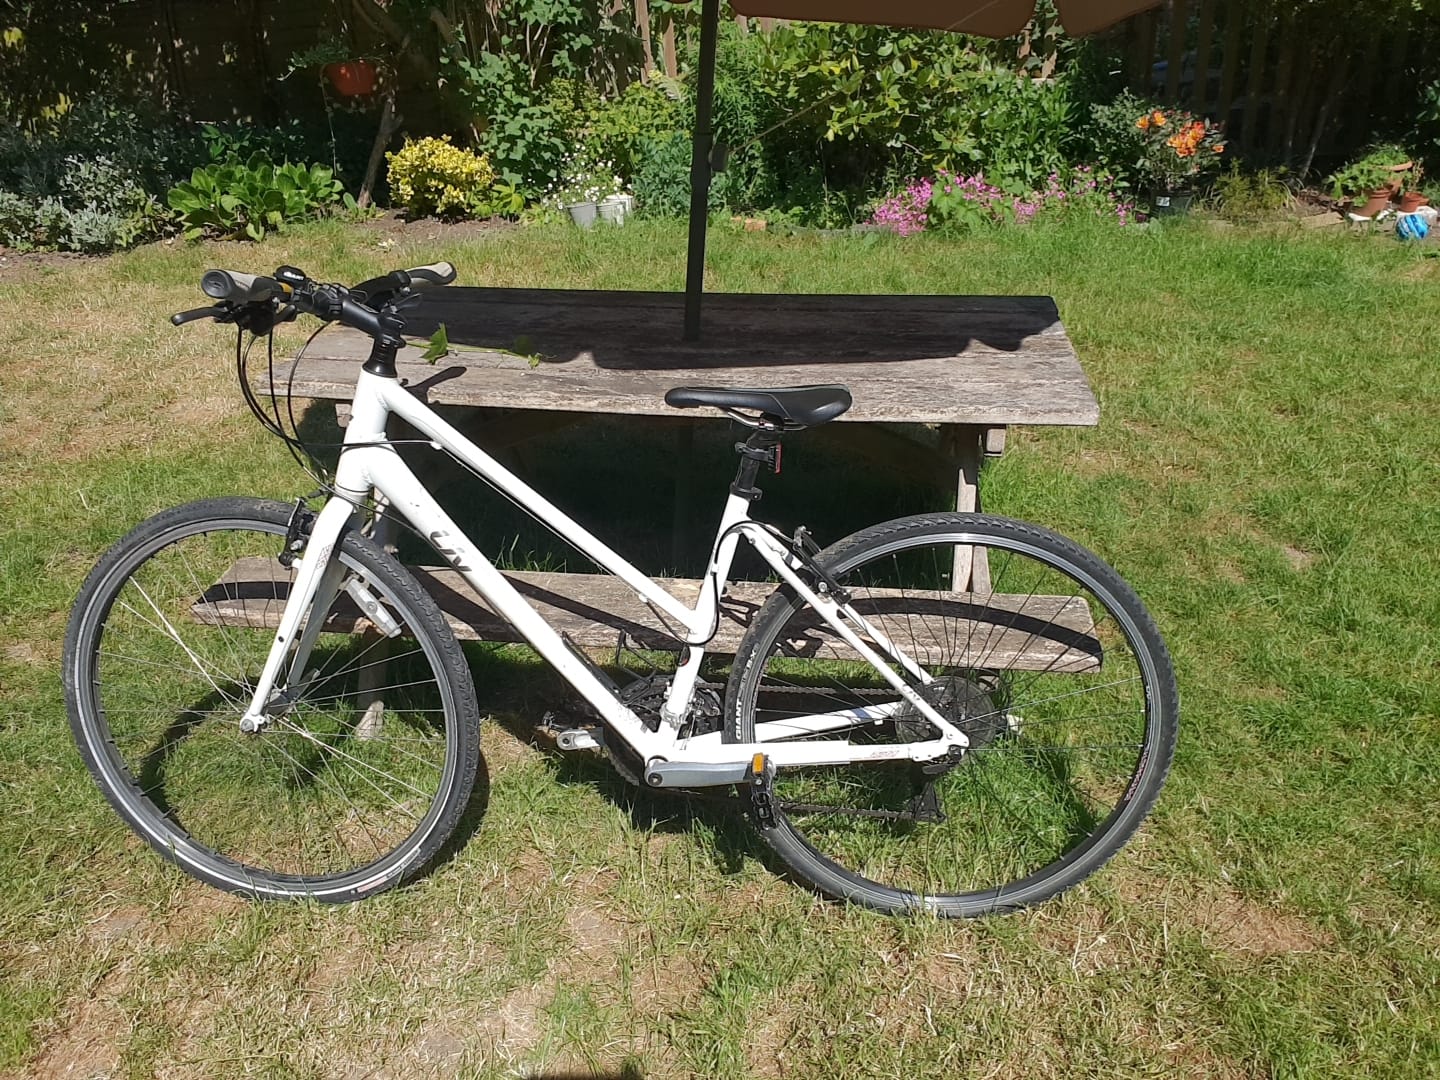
(986, 18)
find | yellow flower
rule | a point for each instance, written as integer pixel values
(1157, 118)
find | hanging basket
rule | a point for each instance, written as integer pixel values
(352, 78)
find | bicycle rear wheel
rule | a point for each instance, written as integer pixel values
(1047, 661)
(357, 778)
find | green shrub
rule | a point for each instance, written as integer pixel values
(239, 200)
(147, 146)
(621, 128)
(1247, 198)
(432, 176)
(523, 73)
(87, 180)
(903, 99)
(662, 183)
(821, 119)
(21, 228)
(97, 207)
(229, 142)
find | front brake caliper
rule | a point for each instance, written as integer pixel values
(302, 518)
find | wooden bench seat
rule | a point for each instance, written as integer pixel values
(1033, 633)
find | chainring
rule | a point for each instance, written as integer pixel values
(645, 697)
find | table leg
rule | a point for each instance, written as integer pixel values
(370, 679)
(963, 446)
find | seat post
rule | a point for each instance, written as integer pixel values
(762, 447)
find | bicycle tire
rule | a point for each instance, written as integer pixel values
(365, 780)
(1014, 670)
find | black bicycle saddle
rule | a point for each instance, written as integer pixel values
(802, 406)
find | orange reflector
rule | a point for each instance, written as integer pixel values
(757, 766)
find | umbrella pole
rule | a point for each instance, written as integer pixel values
(702, 144)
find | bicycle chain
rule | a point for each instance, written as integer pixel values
(812, 808)
(852, 811)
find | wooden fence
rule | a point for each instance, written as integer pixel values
(1295, 84)
(214, 59)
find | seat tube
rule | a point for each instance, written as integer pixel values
(707, 609)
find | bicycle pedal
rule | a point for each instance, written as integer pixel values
(761, 779)
(580, 739)
(555, 732)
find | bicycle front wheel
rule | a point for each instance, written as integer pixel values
(366, 762)
(1044, 658)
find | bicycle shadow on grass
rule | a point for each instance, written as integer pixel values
(650, 811)
(152, 769)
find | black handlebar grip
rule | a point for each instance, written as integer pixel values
(440, 273)
(238, 288)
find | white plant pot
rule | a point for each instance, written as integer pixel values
(613, 209)
(583, 214)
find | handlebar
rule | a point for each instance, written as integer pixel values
(258, 302)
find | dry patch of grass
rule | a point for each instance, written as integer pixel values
(88, 1037)
(1298, 558)
(1241, 926)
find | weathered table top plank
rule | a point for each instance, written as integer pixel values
(985, 360)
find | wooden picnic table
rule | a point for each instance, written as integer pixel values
(527, 361)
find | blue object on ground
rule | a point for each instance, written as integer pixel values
(1412, 227)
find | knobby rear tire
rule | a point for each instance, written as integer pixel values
(1073, 727)
(155, 690)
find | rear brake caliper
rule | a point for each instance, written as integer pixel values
(805, 549)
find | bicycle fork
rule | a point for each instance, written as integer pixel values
(316, 584)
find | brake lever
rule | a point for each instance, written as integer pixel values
(218, 312)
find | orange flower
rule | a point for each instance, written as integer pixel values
(1219, 148)
(1143, 123)
(1157, 118)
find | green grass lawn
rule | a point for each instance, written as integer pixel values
(1264, 472)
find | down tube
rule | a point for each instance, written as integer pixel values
(393, 478)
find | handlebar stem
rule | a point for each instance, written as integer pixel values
(386, 335)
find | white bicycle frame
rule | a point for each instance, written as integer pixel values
(369, 463)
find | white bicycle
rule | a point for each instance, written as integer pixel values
(953, 713)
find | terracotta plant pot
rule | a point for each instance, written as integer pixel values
(1379, 199)
(353, 78)
(1412, 201)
